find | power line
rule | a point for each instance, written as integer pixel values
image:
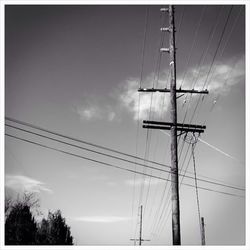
(90, 150)
(114, 166)
(144, 44)
(146, 175)
(196, 189)
(222, 52)
(194, 41)
(213, 60)
(83, 141)
(155, 83)
(149, 134)
(138, 114)
(202, 58)
(118, 158)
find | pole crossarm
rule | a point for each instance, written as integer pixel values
(177, 124)
(191, 91)
(182, 129)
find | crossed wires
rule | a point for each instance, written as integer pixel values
(211, 64)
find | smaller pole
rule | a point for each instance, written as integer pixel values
(202, 231)
(140, 239)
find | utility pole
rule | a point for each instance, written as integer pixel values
(140, 235)
(140, 238)
(173, 126)
(203, 242)
(174, 150)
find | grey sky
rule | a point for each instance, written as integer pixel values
(75, 70)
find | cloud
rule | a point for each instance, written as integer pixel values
(92, 110)
(222, 77)
(101, 219)
(157, 103)
(88, 113)
(20, 183)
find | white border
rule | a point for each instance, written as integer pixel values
(120, 2)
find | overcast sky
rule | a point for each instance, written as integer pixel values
(76, 70)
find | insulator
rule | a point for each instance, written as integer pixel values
(165, 29)
(164, 9)
(164, 49)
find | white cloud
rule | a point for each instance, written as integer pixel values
(89, 113)
(223, 76)
(130, 100)
(102, 219)
(20, 183)
(92, 111)
(111, 116)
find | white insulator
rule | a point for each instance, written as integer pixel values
(164, 49)
(164, 9)
(165, 29)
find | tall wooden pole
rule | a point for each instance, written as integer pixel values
(203, 241)
(140, 238)
(174, 147)
(173, 126)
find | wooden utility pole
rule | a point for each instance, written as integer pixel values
(203, 242)
(173, 126)
(140, 238)
(140, 234)
(173, 116)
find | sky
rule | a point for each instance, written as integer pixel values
(76, 70)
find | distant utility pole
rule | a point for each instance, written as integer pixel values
(173, 126)
(203, 242)
(140, 235)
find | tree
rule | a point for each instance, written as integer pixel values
(20, 226)
(54, 230)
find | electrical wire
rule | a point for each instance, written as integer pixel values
(155, 83)
(114, 166)
(115, 157)
(196, 189)
(213, 60)
(194, 41)
(82, 141)
(139, 99)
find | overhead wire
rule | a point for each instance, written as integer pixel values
(189, 57)
(138, 112)
(227, 41)
(229, 73)
(196, 188)
(193, 43)
(111, 156)
(82, 141)
(216, 51)
(213, 59)
(112, 165)
(162, 104)
(155, 83)
(149, 133)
